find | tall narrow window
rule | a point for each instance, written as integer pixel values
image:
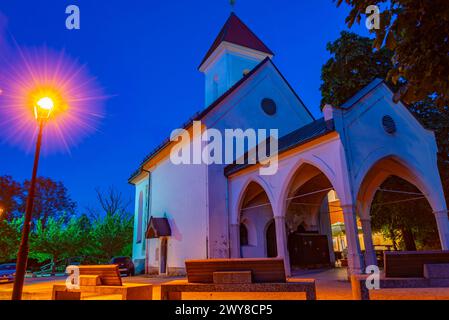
(139, 218)
(215, 87)
(243, 235)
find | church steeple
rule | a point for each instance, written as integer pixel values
(235, 51)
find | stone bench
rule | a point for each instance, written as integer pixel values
(410, 264)
(236, 275)
(127, 291)
(100, 280)
(434, 276)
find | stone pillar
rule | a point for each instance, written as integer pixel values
(442, 221)
(281, 243)
(355, 265)
(325, 228)
(235, 240)
(370, 254)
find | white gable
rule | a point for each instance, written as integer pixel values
(242, 108)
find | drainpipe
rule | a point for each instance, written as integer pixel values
(147, 258)
(229, 218)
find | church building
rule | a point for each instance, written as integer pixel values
(332, 164)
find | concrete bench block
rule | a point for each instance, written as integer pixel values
(436, 271)
(232, 277)
(128, 291)
(174, 289)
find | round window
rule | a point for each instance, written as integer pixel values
(269, 106)
(389, 124)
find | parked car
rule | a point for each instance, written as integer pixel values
(125, 265)
(7, 272)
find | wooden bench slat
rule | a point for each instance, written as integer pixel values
(410, 264)
(263, 270)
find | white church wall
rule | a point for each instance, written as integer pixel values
(257, 219)
(179, 194)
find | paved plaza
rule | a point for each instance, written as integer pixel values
(331, 285)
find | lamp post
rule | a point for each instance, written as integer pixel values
(42, 111)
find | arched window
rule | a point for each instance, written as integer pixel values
(139, 218)
(243, 235)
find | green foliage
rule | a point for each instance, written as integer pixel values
(10, 231)
(417, 31)
(57, 233)
(111, 235)
(352, 66)
(409, 224)
(58, 240)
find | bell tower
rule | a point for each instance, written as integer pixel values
(233, 54)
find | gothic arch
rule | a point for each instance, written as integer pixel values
(290, 178)
(241, 197)
(392, 165)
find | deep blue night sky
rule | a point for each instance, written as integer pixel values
(146, 54)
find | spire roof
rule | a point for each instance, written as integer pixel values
(236, 32)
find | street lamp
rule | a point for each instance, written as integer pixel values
(42, 111)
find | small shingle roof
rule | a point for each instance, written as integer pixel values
(158, 227)
(236, 32)
(298, 137)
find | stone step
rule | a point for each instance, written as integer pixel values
(436, 271)
(103, 297)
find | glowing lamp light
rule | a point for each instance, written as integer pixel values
(43, 108)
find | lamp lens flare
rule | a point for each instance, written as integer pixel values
(42, 84)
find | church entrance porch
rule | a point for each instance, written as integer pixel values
(320, 219)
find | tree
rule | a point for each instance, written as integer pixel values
(52, 200)
(418, 32)
(10, 231)
(352, 66)
(112, 227)
(10, 191)
(111, 235)
(406, 220)
(58, 240)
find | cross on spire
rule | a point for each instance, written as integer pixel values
(232, 3)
